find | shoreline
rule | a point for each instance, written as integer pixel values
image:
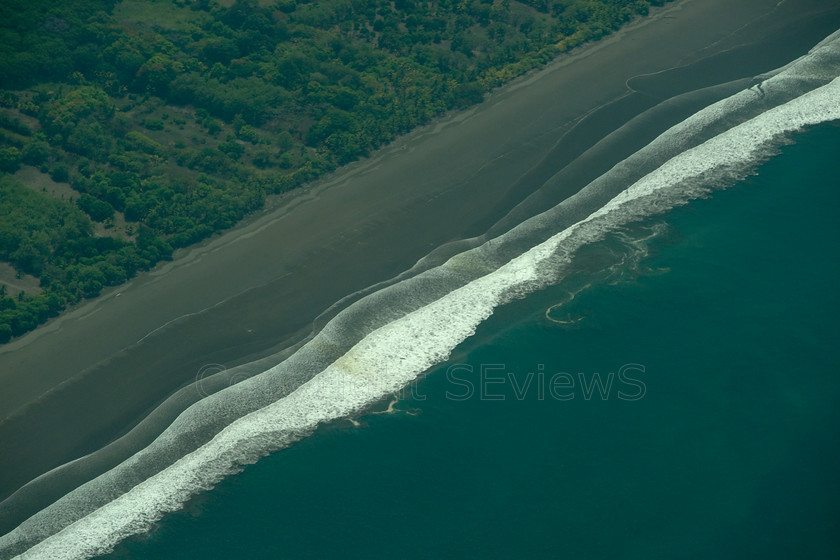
(107, 379)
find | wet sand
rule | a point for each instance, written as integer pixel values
(80, 381)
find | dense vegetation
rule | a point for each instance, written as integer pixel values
(172, 119)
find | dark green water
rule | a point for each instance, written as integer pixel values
(732, 450)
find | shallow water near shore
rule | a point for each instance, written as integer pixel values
(717, 436)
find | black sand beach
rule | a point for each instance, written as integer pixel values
(79, 382)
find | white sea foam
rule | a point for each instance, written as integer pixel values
(395, 353)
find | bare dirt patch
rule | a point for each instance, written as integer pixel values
(16, 282)
(36, 180)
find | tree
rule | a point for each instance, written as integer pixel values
(5, 332)
(158, 72)
(86, 103)
(98, 210)
(9, 159)
(36, 151)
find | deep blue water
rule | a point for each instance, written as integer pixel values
(724, 441)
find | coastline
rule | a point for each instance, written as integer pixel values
(101, 380)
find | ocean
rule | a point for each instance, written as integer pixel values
(727, 318)
(647, 370)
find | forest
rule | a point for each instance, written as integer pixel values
(131, 128)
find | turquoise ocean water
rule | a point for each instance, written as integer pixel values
(718, 437)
